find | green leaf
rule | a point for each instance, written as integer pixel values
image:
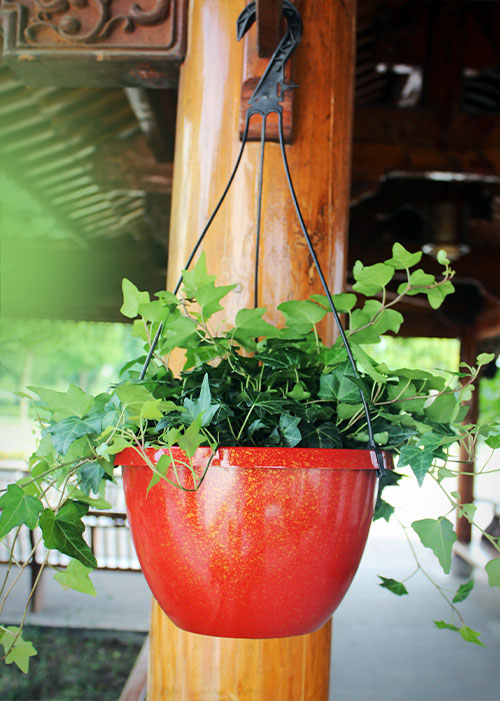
(493, 571)
(90, 477)
(140, 403)
(439, 536)
(442, 257)
(68, 430)
(383, 510)
(436, 295)
(470, 636)
(191, 439)
(485, 359)
(289, 432)
(21, 652)
(250, 321)
(203, 409)
(63, 531)
(74, 402)
(343, 302)
(208, 298)
(298, 393)
(178, 333)
(95, 502)
(402, 259)
(76, 576)
(152, 311)
(196, 278)
(493, 442)
(370, 279)
(324, 435)
(443, 409)
(420, 461)
(161, 470)
(301, 312)
(393, 585)
(368, 364)
(18, 508)
(446, 626)
(340, 385)
(132, 298)
(463, 591)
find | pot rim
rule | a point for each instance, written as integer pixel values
(265, 457)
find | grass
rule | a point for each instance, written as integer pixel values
(72, 665)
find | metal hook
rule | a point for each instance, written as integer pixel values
(268, 95)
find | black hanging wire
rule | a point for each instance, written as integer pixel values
(266, 99)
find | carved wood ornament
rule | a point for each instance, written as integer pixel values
(95, 42)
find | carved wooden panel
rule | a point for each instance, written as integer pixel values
(95, 42)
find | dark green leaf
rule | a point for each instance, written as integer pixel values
(90, 477)
(63, 531)
(340, 384)
(393, 585)
(463, 591)
(325, 435)
(68, 430)
(383, 510)
(289, 431)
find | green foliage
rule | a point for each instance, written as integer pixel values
(63, 531)
(15, 648)
(18, 508)
(393, 585)
(463, 591)
(439, 536)
(493, 571)
(252, 383)
(76, 576)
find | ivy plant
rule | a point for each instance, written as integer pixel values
(248, 383)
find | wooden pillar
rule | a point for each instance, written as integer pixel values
(184, 665)
(468, 354)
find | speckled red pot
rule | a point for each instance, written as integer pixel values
(266, 548)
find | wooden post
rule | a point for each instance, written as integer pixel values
(184, 665)
(468, 354)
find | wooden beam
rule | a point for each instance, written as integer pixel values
(389, 141)
(135, 688)
(95, 43)
(130, 166)
(269, 16)
(401, 37)
(468, 353)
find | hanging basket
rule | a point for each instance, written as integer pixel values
(266, 547)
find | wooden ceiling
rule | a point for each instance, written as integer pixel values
(426, 160)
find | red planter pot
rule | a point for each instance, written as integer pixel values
(267, 547)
